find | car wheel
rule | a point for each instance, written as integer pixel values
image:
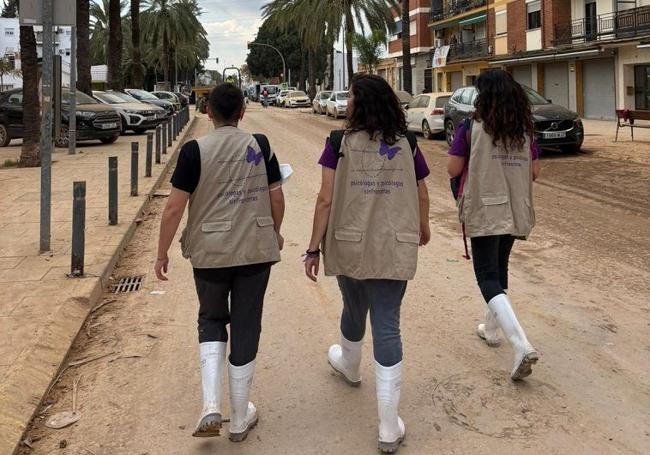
(139, 131)
(64, 138)
(109, 140)
(449, 131)
(426, 130)
(5, 139)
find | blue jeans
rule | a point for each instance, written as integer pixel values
(383, 298)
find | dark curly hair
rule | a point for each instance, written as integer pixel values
(375, 109)
(504, 108)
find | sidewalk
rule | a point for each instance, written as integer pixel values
(41, 310)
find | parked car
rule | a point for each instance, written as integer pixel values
(168, 96)
(404, 98)
(297, 99)
(337, 104)
(555, 126)
(136, 116)
(426, 114)
(183, 98)
(282, 96)
(146, 97)
(320, 102)
(95, 121)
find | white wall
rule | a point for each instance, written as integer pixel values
(340, 82)
(626, 58)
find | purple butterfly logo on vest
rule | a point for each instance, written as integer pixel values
(252, 156)
(387, 151)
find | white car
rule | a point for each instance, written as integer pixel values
(425, 114)
(136, 116)
(282, 96)
(297, 99)
(337, 104)
(319, 104)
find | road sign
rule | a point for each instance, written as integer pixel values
(64, 12)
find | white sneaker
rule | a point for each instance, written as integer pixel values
(212, 355)
(488, 331)
(525, 355)
(346, 359)
(243, 414)
(391, 427)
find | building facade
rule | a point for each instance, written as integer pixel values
(591, 56)
(421, 46)
(10, 50)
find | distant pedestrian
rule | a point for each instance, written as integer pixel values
(265, 97)
(232, 181)
(371, 215)
(496, 155)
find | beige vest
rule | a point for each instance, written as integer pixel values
(374, 225)
(498, 194)
(229, 222)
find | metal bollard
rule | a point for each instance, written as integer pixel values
(174, 127)
(134, 168)
(169, 132)
(147, 168)
(112, 190)
(164, 138)
(158, 145)
(78, 229)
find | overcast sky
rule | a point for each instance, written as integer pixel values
(230, 23)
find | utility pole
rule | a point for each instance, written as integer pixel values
(46, 127)
(72, 118)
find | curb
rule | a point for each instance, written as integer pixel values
(26, 386)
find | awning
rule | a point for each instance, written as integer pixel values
(472, 20)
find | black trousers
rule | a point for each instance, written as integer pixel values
(491, 255)
(245, 288)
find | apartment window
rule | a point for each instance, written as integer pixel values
(398, 28)
(413, 30)
(501, 22)
(9, 32)
(533, 14)
(11, 59)
(67, 52)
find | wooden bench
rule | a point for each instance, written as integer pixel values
(626, 118)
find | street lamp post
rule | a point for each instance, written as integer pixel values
(284, 64)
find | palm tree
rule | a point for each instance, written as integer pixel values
(30, 155)
(171, 22)
(136, 54)
(369, 48)
(407, 77)
(84, 78)
(115, 44)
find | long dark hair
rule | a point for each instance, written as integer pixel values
(376, 109)
(504, 108)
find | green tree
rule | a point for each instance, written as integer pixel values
(264, 63)
(30, 154)
(10, 9)
(369, 48)
(7, 68)
(407, 77)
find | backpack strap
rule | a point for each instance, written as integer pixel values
(336, 138)
(265, 147)
(468, 132)
(413, 141)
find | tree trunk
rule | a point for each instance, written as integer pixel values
(330, 79)
(407, 78)
(138, 73)
(165, 57)
(301, 74)
(114, 45)
(349, 29)
(84, 78)
(29, 154)
(311, 71)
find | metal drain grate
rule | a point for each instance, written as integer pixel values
(127, 284)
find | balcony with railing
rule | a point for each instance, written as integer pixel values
(444, 9)
(468, 50)
(631, 23)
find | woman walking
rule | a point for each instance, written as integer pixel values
(371, 214)
(495, 153)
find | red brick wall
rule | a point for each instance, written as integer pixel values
(554, 12)
(517, 26)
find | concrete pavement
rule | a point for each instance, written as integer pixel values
(41, 309)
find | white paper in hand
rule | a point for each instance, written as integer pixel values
(285, 171)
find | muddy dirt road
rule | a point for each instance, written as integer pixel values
(580, 285)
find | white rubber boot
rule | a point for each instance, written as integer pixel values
(345, 358)
(213, 356)
(525, 354)
(243, 414)
(391, 426)
(488, 331)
